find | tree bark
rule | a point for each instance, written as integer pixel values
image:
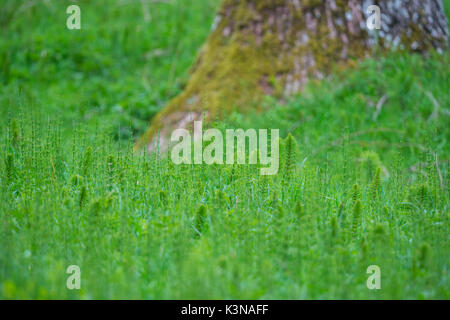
(272, 47)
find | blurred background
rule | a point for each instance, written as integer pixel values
(127, 61)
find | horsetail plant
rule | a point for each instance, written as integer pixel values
(200, 220)
(290, 155)
(376, 183)
(357, 209)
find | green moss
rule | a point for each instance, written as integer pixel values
(227, 75)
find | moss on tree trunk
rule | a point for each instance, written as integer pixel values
(272, 47)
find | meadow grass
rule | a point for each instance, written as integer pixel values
(356, 186)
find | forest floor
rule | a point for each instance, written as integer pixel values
(368, 184)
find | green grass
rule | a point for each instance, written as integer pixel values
(119, 68)
(361, 191)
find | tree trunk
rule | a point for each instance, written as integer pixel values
(272, 47)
